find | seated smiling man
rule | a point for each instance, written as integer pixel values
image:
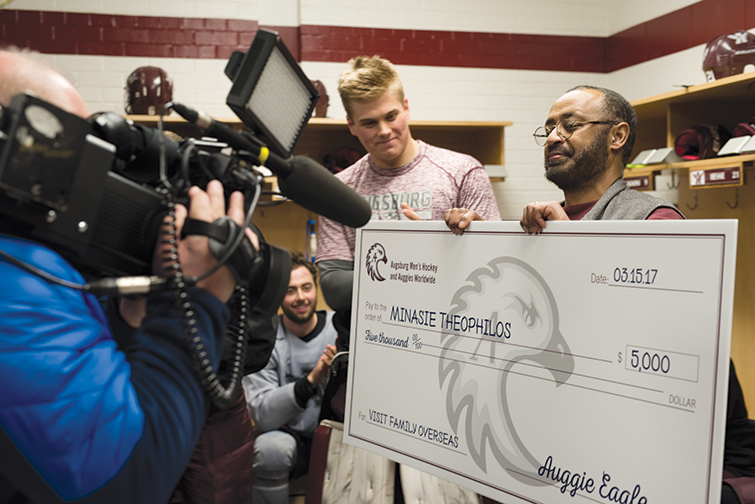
(284, 398)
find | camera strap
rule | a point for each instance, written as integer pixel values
(243, 262)
(212, 230)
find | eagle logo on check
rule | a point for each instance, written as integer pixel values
(375, 255)
(475, 370)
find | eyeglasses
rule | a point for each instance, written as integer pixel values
(564, 129)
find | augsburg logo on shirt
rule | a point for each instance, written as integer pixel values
(388, 206)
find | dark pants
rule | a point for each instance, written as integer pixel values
(220, 470)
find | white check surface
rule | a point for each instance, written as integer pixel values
(585, 364)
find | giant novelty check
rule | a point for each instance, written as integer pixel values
(585, 364)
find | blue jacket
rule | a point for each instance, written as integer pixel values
(96, 423)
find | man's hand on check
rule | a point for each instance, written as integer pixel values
(457, 219)
(536, 214)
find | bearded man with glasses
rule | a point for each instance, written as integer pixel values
(587, 140)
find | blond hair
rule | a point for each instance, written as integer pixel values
(366, 79)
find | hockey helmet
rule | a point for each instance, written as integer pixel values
(148, 88)
(701, 142)
(728, 55)
(321, 108)
(745, 128)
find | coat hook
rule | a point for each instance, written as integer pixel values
(674, 183)
(693, 207)
(736, 200)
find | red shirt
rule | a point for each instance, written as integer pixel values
(577, 212)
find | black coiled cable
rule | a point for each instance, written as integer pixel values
(220, 394)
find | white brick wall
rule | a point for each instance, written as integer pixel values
(224, 9)
(623, 15)
(595, 18)
(523, 97)
(102, 80)
(556, 17)
(660, 75)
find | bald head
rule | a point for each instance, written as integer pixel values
(21, 72)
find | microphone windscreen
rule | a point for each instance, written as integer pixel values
(315, 188)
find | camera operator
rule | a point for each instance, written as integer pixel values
(80, 420)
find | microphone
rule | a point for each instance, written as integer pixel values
(315, 188)
(300, 178)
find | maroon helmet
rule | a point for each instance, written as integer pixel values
(701, 142)
(745, 128)
(728, 54)
(321, 109)
(148, 88)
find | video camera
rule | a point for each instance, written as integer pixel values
(95, 190)
(88, 188)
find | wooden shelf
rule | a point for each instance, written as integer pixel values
(661, 118)
(743, 161)
(482, 140)
(713, 163)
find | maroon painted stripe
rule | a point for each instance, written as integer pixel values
(148, 36)
(679, 30)
(142, 36)
(457, 49)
